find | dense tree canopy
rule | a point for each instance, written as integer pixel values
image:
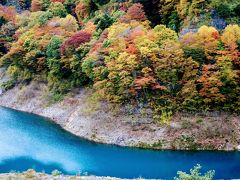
(112, 46)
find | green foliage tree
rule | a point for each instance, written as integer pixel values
(53, 47)
(104, 21)
(195, 174)
(57, 9)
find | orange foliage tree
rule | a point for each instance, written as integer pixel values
(219, 65)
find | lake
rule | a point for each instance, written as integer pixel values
(30, 141)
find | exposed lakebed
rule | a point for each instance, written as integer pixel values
(30, 141)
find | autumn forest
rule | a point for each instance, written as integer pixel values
(169, 55)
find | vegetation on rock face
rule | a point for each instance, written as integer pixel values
(195, 174)
(127, 58)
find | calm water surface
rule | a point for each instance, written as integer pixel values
(29, 141)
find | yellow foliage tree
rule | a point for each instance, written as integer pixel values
(230, 36)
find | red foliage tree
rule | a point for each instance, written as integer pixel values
(75, 41)
(123, 7)
(36, 5)
(8, 13)
(136, 12)
(215, 35)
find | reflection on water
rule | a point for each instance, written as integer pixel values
(20, 163)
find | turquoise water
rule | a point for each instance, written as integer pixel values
(29, 141)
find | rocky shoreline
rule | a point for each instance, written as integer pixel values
(31, 174)
(82, 115)
(77, 115)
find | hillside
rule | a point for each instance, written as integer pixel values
(173, 65)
